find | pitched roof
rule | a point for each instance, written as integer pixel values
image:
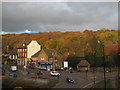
(26, 42)
(14, 52)
(83, 63)
(49, 53)
(66, 54)
(36, 54)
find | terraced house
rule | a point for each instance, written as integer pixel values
(30, 52)
(25, 51)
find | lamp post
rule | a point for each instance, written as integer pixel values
(53, 61)
(98, 42)
(104, 67)
(94, 69)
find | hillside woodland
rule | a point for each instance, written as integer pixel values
(86, 45)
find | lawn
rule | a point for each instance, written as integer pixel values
(102, 85)
(28, 83)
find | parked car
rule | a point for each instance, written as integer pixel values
(70, 79)
(40, 73)
(62, 69)
(13, 68)
(54, 73)
(12, 75)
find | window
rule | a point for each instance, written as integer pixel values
(10, 57)
(18, 61)
(23, 53)
(42, 58)
(13, 57)
(23, 62)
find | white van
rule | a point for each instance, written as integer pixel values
(13, 68)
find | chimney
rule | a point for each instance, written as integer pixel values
(23, 44)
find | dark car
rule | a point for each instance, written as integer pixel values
(40, 73)
(12, 75)
(70, 79)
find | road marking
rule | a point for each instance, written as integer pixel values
(91, 77)
(87, 85)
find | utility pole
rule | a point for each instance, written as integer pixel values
(94, 69)
(53, 66)
(7, 48)
(104, 67)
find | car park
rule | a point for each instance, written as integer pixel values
(12, 75)
(70, 79)
(54, 73)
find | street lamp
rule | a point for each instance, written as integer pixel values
(98, 42)
(53, 61)
(94, 69)
(104, 66)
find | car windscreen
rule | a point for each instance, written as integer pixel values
(70, 78)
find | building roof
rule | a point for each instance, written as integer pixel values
(26, 42)
(36, 54)
(83, 63)
(14, 52)
(49, 53)
(66, 54)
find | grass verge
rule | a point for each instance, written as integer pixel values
(28, 83)
(101, 85)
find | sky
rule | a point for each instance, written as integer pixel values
(33, 17)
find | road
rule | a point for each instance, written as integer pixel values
(79, 77)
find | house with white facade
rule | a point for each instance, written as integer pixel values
(25, 51)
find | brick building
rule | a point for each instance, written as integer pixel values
(83, 65)
(25, 51)
(48, 59)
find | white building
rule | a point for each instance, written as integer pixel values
(25, 51)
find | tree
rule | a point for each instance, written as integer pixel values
(73, 60)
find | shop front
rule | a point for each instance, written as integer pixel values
(45, 65)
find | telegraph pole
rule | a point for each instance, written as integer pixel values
(53, 61)
(94, 70)
(104, 67)
(7, 48)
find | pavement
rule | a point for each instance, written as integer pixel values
(80, 77)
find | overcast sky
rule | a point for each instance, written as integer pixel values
(33, 17)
